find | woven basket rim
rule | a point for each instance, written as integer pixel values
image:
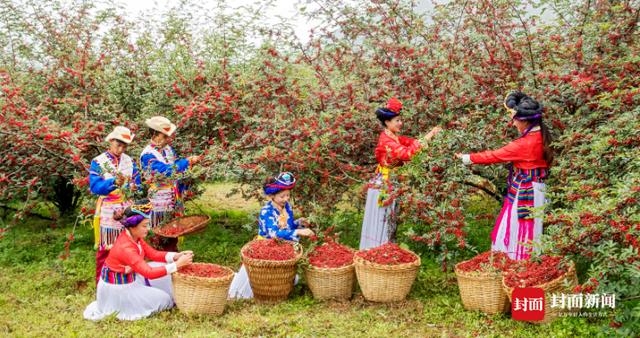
(296, 246)
(547, 285)
(331, 270)
(359, 261)
(207, 279)
(196, 227)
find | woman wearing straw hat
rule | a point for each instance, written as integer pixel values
(516, 229)
(276, 220)
(110, 173)
(160, 166)
(129, 287)
(379, 225)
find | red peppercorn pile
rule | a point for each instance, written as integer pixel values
(270, 249)
(487, 261)
(388, 254)
(172, 230)
(330, 255)
(204, 270)
(535, 272)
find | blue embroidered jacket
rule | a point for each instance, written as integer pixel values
(268, 223)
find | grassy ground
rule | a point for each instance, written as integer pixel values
(45, 296)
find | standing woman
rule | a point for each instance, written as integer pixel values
(516, 230)
(109, 173)
(379, 224)
(161, 165)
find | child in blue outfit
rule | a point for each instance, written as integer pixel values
(276, 220)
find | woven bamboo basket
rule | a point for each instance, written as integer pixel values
(191, 224)
(271, 281)
(564, 283)
(331, 283)
(385, 283)
(201, 295)
(482, 291)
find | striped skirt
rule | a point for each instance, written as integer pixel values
(518, 238)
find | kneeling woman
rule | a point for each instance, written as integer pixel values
(276, 221)
(128, 286)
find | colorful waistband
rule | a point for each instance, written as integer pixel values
(117, 278)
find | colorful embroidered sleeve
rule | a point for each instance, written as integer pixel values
(150, 161)
(97, 183)
(268, 223)
(136, 174)
(137, 264)
(514, 151)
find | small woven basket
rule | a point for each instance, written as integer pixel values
(201, 295)
(482, 291)
(385, 283)
(564, 283)
(271, 281)
(331, 283)
(191, 224)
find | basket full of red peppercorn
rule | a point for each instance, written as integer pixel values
(480, 282)
(552, 274)
(330, 273)
(202, 288)
(386, 273)
(183, 226)
(271, 266)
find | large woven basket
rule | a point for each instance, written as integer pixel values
(271, 281)
(482, 291)
(191, 224)
(385, 283)
(564, 283)
(201, 295)
(331, 283)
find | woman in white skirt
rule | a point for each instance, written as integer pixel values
(379, 224)
(129, 287)
(276, 220)
(518, 229)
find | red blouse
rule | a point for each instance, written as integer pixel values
(525, 153)
(391, 153)
(125, 252)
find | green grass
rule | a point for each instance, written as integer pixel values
(45, 296)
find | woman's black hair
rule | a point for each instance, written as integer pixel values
(153, 133)
(384, 115)
(528, 109)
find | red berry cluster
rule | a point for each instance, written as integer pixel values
(535, 272)
(204, 270)
(388, 254)
(330, 255)
(488, 261)
(270, 249)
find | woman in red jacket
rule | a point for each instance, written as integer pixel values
(130, 287)
(378, 225)
(518, 226)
